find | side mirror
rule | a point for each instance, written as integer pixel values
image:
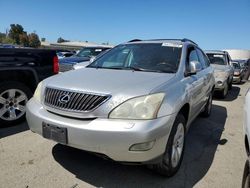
(194, 67)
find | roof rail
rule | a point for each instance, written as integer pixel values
(135, 40)
(188, 40)
(182, 40)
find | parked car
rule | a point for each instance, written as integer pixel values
(134, 104)
(238, 72)
(246, 175)
(243, 63)
(220, 61)
(246, 125)
(83, 56)
(63, 54)
(86, 63)
(7, 46)
(20, 72)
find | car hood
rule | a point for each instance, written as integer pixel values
(126, 83)
(73, 59)
(237, 70)
(219, 67)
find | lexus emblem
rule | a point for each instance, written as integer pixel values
(64, 98)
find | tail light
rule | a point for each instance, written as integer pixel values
(55, 65)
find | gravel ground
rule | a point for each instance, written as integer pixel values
(214, 157)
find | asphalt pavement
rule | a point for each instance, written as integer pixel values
(214, 156)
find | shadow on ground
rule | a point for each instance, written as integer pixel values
(201, 145)
(232, 94)
(14, 129)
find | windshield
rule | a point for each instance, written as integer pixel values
(153, 57)
(90, 52)
(218, 59)
(236, 65)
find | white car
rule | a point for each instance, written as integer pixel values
(246, 174)
(247, 121)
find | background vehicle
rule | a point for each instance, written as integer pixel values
(86, 63)
(63, 54)
(20, 72)
(223, 73)
(247, 74)
(137, 102)
(83, 56)
(238, 72)
(7, 46)
(246, 125)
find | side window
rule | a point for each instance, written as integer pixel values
(206, 60)
(202, 60)
(193, 55)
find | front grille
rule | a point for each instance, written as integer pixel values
(63, 67)
(72, 101)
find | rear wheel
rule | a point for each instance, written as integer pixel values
(174, 150)
(13, 99)
(207, 110)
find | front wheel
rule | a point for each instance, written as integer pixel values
(174, 150)
(13, 99)
(224, 92)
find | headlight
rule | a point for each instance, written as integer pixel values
(236, 73)
(37, 94)
(144, 107)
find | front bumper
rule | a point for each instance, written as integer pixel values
(219, 85)
(236, 79)
(110, 137)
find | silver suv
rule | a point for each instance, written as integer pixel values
(133, 104)
(223, 71)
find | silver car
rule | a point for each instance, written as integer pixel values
(224, 71)
(134, 104)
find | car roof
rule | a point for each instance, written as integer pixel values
(215, 52)
(174, 41)
(101, 47)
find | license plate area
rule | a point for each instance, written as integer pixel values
(53, 132)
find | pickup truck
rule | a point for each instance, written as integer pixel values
(21, 69)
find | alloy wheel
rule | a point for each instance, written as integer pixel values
(12, 104)
(177, 146)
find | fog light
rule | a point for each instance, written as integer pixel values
(142, 146)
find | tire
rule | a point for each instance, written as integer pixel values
(230, 86)
(13, 99)
(168, 166)
(224, 92)
(246, 176)
(207, 110)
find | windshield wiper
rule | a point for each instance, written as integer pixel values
(149, 70)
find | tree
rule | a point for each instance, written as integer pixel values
(7, 40)
(34, 40)
(60, 40)
(2, 37)
(43, 39)
(24, 39)
(15, 31)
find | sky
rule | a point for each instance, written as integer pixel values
(213, 24)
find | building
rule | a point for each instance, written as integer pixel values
(71, 45)
(239, 54)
